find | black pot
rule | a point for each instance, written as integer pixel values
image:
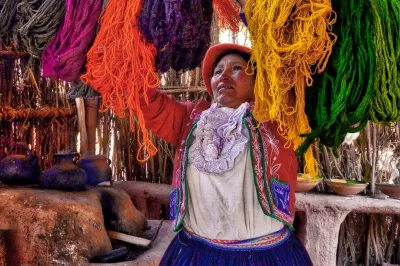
(97, 168)
(65, 174)
(17, 169)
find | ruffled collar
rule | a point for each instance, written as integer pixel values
(219, 139)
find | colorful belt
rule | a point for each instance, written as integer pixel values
(263, 242)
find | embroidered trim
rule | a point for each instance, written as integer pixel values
(262, 242)
(258, 173)
(183, 198)
(261, 172)
(173, 204)
(281, 192)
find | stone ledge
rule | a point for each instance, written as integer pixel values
(359, 203)
(319, 217)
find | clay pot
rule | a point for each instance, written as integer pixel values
(346, 189)
(65, 174)
(391, 190)
(97, 168)
(305, 185)
(19, 169)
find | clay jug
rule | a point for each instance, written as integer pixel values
(19, 169)
(97, 168)
(65, 174)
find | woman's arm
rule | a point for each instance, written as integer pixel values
(164, 115)
(241, 3)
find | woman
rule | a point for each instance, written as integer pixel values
(233, 179)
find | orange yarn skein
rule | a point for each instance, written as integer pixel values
(120, 66)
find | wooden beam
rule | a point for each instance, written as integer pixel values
(10, 114)
(13, 54)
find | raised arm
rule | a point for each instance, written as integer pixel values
(165, 116)
(241, 3)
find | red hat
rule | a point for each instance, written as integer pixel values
(212, 54)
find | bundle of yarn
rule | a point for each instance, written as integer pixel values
(291, 40)
(65, 55)
(120, 67)
(37, 21)
(180, 30)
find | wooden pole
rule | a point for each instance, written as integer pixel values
(82, 125)
(91, 110)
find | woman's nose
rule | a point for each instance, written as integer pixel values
(225, 75)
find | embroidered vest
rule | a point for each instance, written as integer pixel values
(274, 171)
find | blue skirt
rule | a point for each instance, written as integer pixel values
(278, 249)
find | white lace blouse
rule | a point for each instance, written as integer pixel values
(222, 201)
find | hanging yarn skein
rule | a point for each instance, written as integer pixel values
(180, 30)
(291, 40)
(340, 100)
(37, 23)
(227, 13)
(80, 90)
(65, 55)
(120, 66)
(386, 28)
(8, 8)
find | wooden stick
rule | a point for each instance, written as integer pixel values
(129, 239)
(10, 114)
(186, 89)
(13, 54)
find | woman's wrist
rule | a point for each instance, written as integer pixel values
(242, 3)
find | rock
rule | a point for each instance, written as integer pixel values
(147, 197)
(119, 212)
(49, 227)
(153, 256)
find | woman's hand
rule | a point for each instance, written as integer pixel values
(241, 3)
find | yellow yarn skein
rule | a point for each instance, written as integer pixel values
(291, 41)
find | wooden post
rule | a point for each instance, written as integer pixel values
(91, 110)
(80, 105)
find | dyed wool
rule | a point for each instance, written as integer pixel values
(37, 23)
(120, 66)
(227, 13)
(386, 28)
(291, 40)
(66, 53)
(8, 8)
(180, 30)
(339, 101)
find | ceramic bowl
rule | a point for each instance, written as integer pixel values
(306, 184)
(391, 190)
(345, 188)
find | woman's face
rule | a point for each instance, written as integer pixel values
(230, 84)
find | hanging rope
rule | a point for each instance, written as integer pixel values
(339, 101)
(65, 55)
(121, 67)
(180, 30)
(37, 23)
(386, 101)
(291, 40)
(8, 9)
